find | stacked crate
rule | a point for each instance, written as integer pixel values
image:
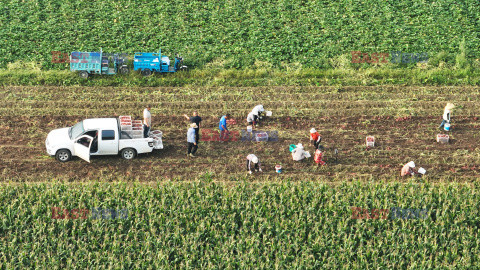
(137, 129)
(133, 128)
(125, 123)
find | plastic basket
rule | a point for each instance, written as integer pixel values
(443, 138)
(370, 140)
(261, 137)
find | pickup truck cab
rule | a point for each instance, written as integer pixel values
(99, 136)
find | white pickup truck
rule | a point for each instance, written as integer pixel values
(100, 136)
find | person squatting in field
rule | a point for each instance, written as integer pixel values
(147, 121)
(299, 153)
(195, 119)
(191, 140)
(257, 113)
(222, 125)
(318, 156)
(408, 169)
(446, 114)
(315, 138)
(253, 159)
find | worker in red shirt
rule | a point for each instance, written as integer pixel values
(318, 156)
(315, 138)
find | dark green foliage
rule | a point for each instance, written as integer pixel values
(211, 225)
(238, 33)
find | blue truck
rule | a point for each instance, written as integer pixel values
(89, 63)
(147, 63)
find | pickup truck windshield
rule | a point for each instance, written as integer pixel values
(76, 130)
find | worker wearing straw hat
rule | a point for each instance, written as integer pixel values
(446, 114)
(191, 140)
(408, 169)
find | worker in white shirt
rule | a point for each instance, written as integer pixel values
(147, 121)
(257, 113)
(446, 114)
(256, 163)
(299, 153)
(251, 119)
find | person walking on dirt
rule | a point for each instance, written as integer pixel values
(299, 153)
(222, 125)
(318, 156)
(147, 121)
(315, 138)
(408, 169)
(256, 163)
(446, 114)
(195, 119)
(191, 140)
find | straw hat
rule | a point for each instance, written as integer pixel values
(411, 164)
(313, 130)
(449, 106)
(193, 125)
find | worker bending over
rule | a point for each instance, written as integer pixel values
(408, 169)
(299, 153)
(257, 113)
(446, 114)
(315, 138)
(256, 163)
(251, 119)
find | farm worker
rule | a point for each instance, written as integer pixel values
(315, 138)
(446, 114)
(251, 119)
(147, 121)
(298, 153)
(257, 112)
(253, 159)
(191, 141)
(318, 156)
(222, 125)
(195, 119)
(407, 169)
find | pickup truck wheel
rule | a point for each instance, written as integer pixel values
(146, 72)
(128, 153)
(83, 74)
(63, 155)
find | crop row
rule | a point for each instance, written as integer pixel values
(210, 225)
(237, 34)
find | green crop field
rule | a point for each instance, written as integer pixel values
(165, 210)
(238, 34)
(204, 224)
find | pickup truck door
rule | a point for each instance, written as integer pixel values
(81, 147)
(108, 142)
